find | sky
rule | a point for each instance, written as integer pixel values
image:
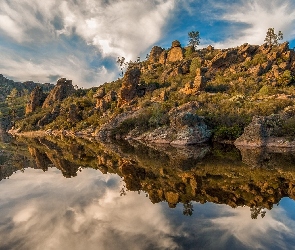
(81, 40)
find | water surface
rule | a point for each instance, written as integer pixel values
(81, 194)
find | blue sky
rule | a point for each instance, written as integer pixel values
(80, 40)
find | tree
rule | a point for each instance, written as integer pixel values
(194, 38)
(272, 38)
(122, 64)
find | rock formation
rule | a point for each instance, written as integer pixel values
(155, 54)
(63, 89)
(73, 115)
(199, 83)
(104, 100)
(186, 128)
(263, 131)
(175, 53)
(130, 83)
(36, 100)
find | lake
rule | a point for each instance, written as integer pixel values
(62, 193)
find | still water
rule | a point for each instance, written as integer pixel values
(81, 194)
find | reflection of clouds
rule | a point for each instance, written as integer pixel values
(46, 211)
(260, 233)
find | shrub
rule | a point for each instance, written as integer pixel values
(227, 133)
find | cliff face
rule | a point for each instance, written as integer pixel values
(36, 100)
(62, 90)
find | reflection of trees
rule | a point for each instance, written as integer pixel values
(256, 211)
(177, 175)
(188, 208)
(123, 191)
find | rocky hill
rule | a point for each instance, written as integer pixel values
(13, 99)
(181, 96)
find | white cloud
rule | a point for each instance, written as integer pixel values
(85, 212)
(257, 16)
(254, 233)
(48, 68)
(115, 27)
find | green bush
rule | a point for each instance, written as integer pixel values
(227, 133)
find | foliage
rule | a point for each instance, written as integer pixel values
(227, 133)
(286, 78)
(272, 38)
(194, 38)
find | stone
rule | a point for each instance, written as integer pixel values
(210, 48)
(186, 128)
(200, 80)
(175, 44)
(63, 89)
(155, 54)
(100, 93)
(128, 90)
(259, 130)
(175, 54)
(37, 98)
(163, 57)
(104, 100)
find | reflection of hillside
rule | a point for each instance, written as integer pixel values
(177, 174)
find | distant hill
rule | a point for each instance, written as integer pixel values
(13, 98)
(6, 86)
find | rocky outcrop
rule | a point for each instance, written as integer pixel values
(36, 100)
(104, 100)
(155, 54)
(199, 83)
(263, 132)
(175, 53)
(129, 87)
(63, 89)
(224, 59)
(186, 128)
(200, 80)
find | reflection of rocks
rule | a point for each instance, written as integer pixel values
(41, 160)
(176, 175)
(267, 157)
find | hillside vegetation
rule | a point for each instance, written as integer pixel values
(220, 89)
(14, 97)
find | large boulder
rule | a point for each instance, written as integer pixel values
(63, 89)
(175, 53)
(259, 131)
(37, 98)
(186, 128)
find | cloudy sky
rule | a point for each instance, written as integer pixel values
(80, 40)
